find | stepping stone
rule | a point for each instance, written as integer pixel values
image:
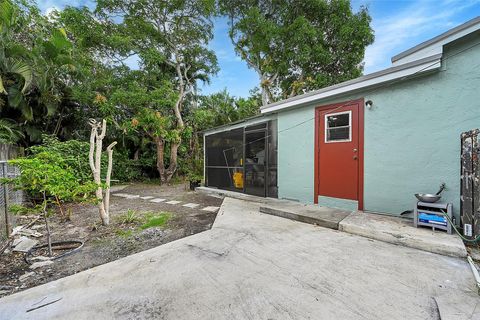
(191, 205)
(146, 197)
(127, 195)
(23, 277)
(173, 202)
(29, 233)
(211, 209)
(133, 196)
(123, 195)
(25, 244)
(157, 200)
(40, 264)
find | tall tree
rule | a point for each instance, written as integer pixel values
(171, 39)
(36, 67)
(297, 46)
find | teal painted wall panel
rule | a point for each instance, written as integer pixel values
(295, 154)
(412, 135)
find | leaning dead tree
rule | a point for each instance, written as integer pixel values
(95, 159)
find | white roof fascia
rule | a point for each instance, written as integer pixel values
(373, 79)
(435, 45)
(239, 124)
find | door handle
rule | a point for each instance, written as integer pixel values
(355, 157)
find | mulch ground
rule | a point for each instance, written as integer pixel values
(121, 238)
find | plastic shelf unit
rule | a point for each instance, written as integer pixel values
(432, 215)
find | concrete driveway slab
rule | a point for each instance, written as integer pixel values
(256, 266)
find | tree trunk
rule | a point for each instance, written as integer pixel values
(263, 91)
(108, 180)
(170, 171)
(95, 160)
(47, 226)
(97, 176)
(160, 164)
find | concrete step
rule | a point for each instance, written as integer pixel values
(402, 232)
(321, 216)
(384, 228)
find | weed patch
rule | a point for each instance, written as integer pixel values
(130, 217)
(124, 233)
(156, 220)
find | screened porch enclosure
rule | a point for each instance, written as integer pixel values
(243, 159)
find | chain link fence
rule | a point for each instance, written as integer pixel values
(8, 196)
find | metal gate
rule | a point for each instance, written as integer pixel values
(8, 196)
(470, 183)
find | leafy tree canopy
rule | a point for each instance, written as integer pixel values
(297, 46)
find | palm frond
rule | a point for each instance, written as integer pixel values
(7, 15)
(2, 88)
(24, 70)
(9, 132)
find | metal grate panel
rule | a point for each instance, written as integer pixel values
(8, 196)
(470, 181)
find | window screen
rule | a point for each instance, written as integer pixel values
(338, 127)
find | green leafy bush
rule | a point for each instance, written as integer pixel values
(126, 169)
(48, 173)
(73, 155)
(18, 209)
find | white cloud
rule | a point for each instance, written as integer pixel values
(50, 10)
(46, 5)
(414, 24)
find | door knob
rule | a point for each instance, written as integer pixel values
(355, 150)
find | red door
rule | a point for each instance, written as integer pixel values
(340, 151)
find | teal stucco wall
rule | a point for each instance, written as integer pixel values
(412, 135)
(296, 154)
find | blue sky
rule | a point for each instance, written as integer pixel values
(398, 25)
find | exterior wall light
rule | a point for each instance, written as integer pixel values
(369, 104)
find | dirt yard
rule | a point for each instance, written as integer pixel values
(136, 225)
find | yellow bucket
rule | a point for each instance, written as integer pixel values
(238, 180)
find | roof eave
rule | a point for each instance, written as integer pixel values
(374, 79)
(454, 34)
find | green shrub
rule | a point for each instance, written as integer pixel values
(73, 155)
(46, 173)
(125, 169)
(17, 209)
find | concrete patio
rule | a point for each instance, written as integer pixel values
(256, 266)
(387, 228)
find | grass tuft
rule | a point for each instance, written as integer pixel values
(158, 220)
(130, 217)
